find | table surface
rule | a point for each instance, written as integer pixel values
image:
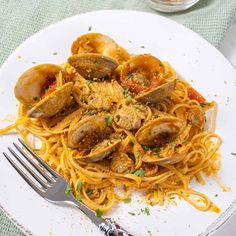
(228, 48)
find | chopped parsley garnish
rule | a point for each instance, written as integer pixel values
(55, 53)
(156, 72)
(34, 62)
(89, 191)
(131, 213)
(68, 191)
(139, 172)
(142, 47)
(146, 211)
(90, 112)
(98, 212)
(125, 91)
(127, 200)
(35, 98)
(90, 28)
(89, 81)
(132, 140)
(129, 97)
(216, 195)
(233, 153)
(78, 197)
(79, 185)
(154, 149)
(109, 120)
(108, 134)
(138, 109)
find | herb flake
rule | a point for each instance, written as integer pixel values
(131, 213)
(125, 91)
(89, 191)
(90, 28)
(68, 190)
(109, 120)
(233, 153)
(78, 197)
(98, 212)
(146, 211)
(79, 185)
(127, 200)
(132, 140)
(139, 172)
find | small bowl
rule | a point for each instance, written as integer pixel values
(171, 5)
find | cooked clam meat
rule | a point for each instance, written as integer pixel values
(38, 91)
(159, 131)
(121, 163)
(196, 117)
(130, 117)
(100, 151)
(143, 75)
(87, 132)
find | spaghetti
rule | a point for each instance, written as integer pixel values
(153, 147)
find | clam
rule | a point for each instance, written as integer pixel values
(93, 43)
(87, 132)
(156, 94)
(100, 151)
(38, 91)
(53, 103)
(93, 65)
(143, 75)
(159, 131)
(101, 44)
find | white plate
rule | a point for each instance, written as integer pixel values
(193, 58)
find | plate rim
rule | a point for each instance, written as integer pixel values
(225, 215)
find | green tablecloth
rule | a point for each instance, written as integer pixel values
(19, 19)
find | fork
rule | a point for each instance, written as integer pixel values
(51, 186)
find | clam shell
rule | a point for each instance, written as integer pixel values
(155, 95)
(87, 132)
(159, 131)
(101, 153)
(51, 104)
(29, 85)
(93, 43)
(92, 65)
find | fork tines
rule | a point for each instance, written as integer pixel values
(34, 167)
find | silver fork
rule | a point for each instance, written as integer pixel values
(51, 186)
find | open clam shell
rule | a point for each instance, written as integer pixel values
(156, 94)
(93, 43)
(141, 72)
(101, 151)
(53, 103)
(29, 86)
(101, 44)
(87, 132)
(159, 131)
(92, 65)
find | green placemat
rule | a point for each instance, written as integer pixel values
(19, 19)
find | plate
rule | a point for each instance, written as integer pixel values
(193, 58)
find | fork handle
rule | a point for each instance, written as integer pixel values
(110, 228)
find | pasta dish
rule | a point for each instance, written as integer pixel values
(111, 123)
